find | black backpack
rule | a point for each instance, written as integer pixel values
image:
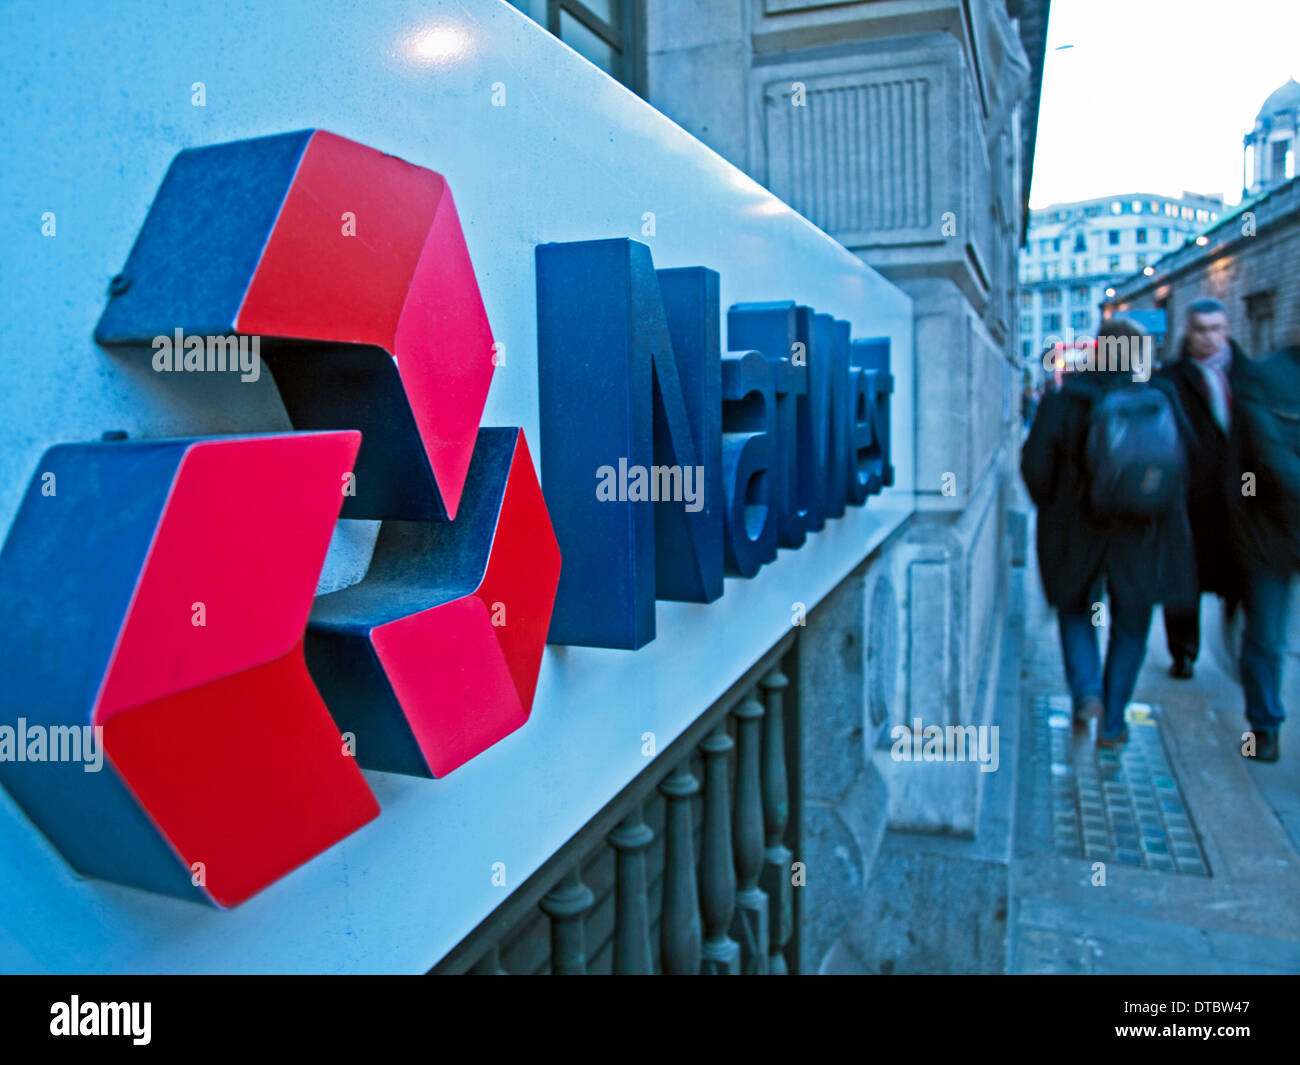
(1136, 462)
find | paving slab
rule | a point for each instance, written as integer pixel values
(1200, 847)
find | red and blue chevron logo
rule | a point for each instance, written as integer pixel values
(159, 594)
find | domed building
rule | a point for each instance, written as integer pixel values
(1245, 258)
(1270, 146)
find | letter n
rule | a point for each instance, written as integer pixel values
(610, 386)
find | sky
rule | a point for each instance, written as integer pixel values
(1156, 95)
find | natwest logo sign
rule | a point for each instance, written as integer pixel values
(160, 593)
(668, 462)
(164, 589)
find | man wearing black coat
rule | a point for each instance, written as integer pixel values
(1203, 376)
(1265, 523)
(1140, 562)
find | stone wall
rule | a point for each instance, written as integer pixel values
(895, 127)
(1249, 255)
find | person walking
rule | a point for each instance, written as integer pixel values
(1265, 523)
(1203, 374)
(1105, 463)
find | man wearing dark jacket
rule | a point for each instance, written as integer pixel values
(1203, 376)
(1265, 524)
(1140, 562)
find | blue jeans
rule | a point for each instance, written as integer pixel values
(1261, 649)
(1129, 624)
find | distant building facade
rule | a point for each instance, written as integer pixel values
(1075, 252)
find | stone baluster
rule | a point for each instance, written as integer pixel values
(566, 904)
(750, 926)
(679, 924)
(777, 858)
(633, 954)
(717, 868)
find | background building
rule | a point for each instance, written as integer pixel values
(1074, 252)
(1247, 258)
(1247, 262)
(1268, 158)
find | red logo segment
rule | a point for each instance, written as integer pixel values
(368, 249)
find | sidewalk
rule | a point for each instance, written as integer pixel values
(1201, 849)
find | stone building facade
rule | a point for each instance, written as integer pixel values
(1247, 263)
(905, 131)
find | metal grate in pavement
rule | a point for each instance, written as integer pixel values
(1120, 805)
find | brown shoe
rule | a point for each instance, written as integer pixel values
(1113, 741)
(1092, 707)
